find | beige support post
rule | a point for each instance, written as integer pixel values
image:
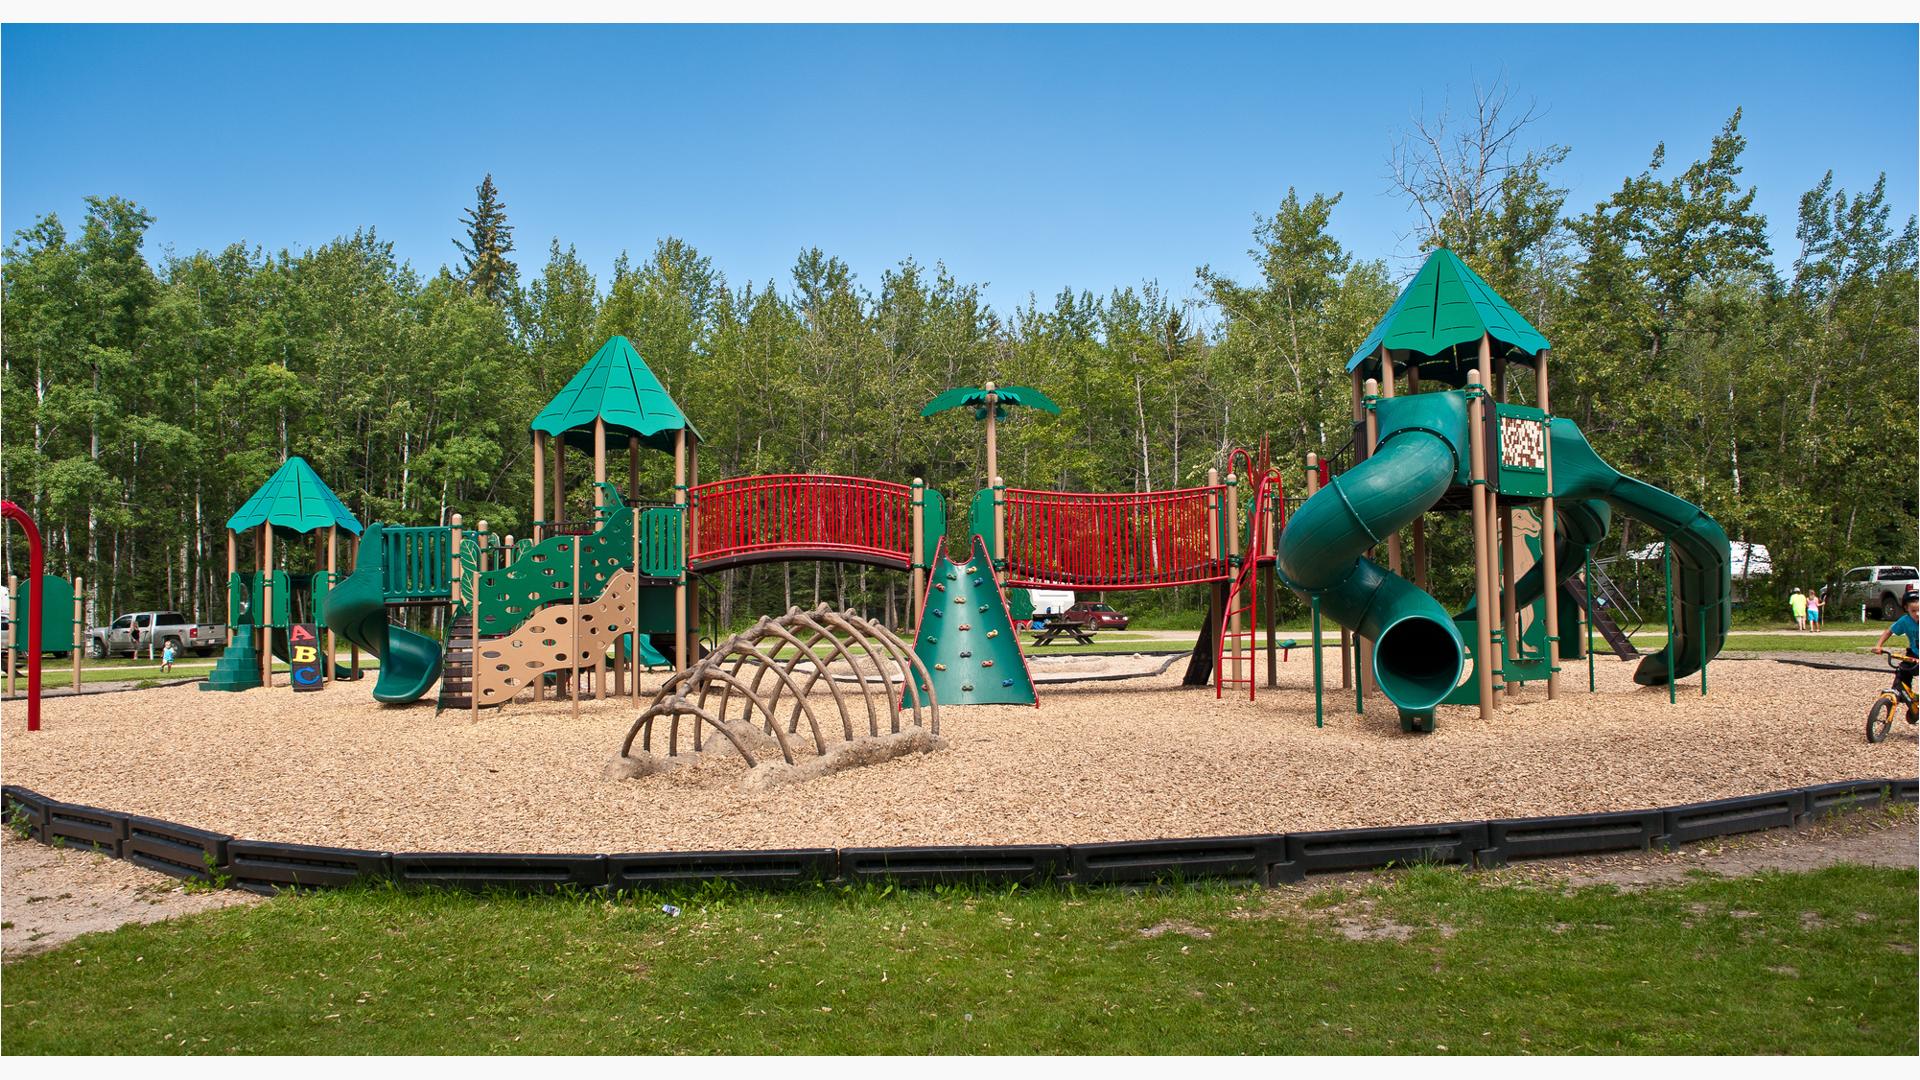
(453, 568)
(917, 577)
(539, 486)
(599, 461)
(473, 643)
(1233, 551)
(993, 438)
(574, 622)
(680, 652)
(333, 578)
(266, 605)
(559, 509)
(1363, 658)
(233, 567)
(1387, 379)
(999, 518)
(1482, 547)
(633, 628)
(693, 546)
(1508, 549)
(14, 633)
(79, 629)
(1549, 536)
(480, 549)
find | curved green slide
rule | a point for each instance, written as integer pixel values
(1418, 652)
(357, 608)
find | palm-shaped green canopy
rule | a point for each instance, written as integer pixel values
(1445, 306)
(294, 499)
(975, 396)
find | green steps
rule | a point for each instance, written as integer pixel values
(237, 669)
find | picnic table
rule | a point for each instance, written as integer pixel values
(1080, 632)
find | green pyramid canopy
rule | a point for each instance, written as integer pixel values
(295, 499)
(618, 387)
(1445, 306)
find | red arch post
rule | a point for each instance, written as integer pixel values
(36, 568)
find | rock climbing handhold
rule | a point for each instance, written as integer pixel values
(993, 633)
(939, 667)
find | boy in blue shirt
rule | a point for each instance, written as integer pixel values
(1908, 626)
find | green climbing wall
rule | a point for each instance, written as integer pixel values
(967, 639)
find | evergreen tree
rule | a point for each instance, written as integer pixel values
(487, 270)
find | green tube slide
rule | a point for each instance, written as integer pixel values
(357, 608)
(1702, 563)
(1418, 653)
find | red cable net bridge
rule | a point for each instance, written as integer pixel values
(1148, 540)
(754, 519)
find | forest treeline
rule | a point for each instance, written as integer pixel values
(145, 399)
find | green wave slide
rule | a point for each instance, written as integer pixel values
(357, 608)
(1419, 653)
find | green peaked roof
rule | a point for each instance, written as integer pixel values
(1447, 305)
(294, 498)
(618, 387)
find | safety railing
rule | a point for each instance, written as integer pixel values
(1146, 540)
(418, 562)
(803, 515)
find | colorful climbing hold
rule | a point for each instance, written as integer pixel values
(993, 633)
(939, 667)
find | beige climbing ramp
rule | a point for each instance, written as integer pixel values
(557, 637)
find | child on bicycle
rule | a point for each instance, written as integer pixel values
(1908, 626)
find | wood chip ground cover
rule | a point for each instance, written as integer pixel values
(1138, 759)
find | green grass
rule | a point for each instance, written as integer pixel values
(1810, 963)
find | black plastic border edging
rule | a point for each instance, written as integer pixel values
(1026, 864)
(665, 869)
(90, 827)
(179, 850)
(31, 804)
(260, 866)
(518, 873)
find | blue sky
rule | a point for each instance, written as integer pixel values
(1025, 157)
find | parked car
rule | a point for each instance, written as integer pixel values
(132, 634)
(1878, 587)
(1099, 616)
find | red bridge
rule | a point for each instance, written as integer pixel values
(755, 519)
(1149, 540)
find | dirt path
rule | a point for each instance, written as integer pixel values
(49, 896)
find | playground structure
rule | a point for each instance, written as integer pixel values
(846, 637)
(1472, 449)
(264, 604)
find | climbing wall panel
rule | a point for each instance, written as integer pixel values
(556, 637)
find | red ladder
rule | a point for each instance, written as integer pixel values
(1243, 598)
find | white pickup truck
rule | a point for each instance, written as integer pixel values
(142, 631)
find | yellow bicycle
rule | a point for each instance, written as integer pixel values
(1880, 717)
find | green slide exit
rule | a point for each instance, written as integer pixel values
(357, 608)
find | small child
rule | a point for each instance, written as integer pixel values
(1813, 612)
(166, 657)
(1906, 626)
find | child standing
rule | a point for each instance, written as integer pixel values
(1813, 612)
(166, 658)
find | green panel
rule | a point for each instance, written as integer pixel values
(979, 515)
(933, 520)
(56, 614)
(661, 552)
(966, 638)
(1521, 431)
(544, 575)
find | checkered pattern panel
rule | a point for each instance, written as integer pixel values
(1522, 443)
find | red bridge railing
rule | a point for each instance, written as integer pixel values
(1149, 540)
(749, 518)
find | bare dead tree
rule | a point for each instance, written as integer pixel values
(1451, 168)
